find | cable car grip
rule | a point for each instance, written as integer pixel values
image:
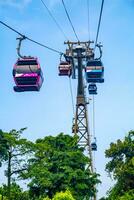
(19, 46)
(100, 50)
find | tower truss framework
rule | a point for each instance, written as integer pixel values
(81, 51)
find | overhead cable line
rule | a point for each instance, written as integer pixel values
(98, 28)
(93, 117)
(88, 13)
(38, 43)
(71, 92)
(54, 19)
(93, 131)
(70, 20)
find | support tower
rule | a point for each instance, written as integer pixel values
(80, 51)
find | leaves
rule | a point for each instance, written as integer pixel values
(3, 147)
(63, 196)
(59, 164)
(51, 165)
(16, 192)
(121, 165)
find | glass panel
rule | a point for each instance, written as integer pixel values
(27, 62)
(94, 63)
(27, 69)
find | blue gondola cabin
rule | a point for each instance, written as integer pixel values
(92, 89)
(94, 71)
(94, 146)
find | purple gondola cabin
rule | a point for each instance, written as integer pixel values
(27, 75)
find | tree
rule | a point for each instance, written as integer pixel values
(128, 195)
(121, 167)
(3, 148)
(16, 193)
(59, 164)
(17, 152)
(63, 196)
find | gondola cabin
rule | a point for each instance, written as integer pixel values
(27, 75)
(92, 89)
(94, 71)
(65, 69)
(94, 146)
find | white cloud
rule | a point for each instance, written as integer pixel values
(15, 3)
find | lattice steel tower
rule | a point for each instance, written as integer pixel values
(80, 51)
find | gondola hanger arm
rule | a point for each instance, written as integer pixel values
(100, 50)
(19, 46)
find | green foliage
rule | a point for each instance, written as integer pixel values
(121, 166)
(59, 164)
(46, 198)
(16, 193)
(17, 150)
(3, 198)
(3, 147)
(52, 165)
(128, 196)
(63, 196)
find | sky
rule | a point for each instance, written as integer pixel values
(49, 112)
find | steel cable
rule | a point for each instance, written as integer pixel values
(93, 117)
(54, 19)
(70, 20)
(71, 92)
(88, 12)
(99, 22)
(38, 43)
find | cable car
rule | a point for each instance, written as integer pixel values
(94, 71)
(65, 69)
(92, 89)
(27, 75)
(94, 146)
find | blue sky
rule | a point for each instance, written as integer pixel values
(50, 110)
